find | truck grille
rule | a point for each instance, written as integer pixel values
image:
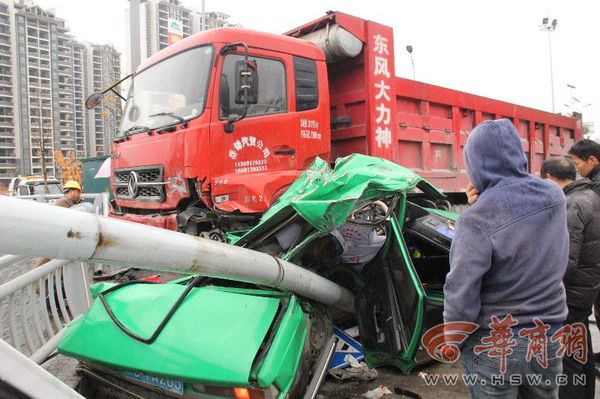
(140, 184)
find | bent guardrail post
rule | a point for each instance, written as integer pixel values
(36, 229)
(77, 291)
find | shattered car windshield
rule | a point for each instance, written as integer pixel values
(174, 88)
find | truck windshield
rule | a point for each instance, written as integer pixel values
(174, 87)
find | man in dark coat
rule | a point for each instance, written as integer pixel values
(582, 277)
(585, 154)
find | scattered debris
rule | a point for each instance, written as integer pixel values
(111, 275)
(354, 332)
(377, 392)
(356, 371)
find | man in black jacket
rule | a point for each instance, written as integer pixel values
(586, 157)
(585, 154)
(582, 277)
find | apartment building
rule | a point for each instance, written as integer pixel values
(162, 23)
(106, 118)
(45, 75)
(8, 141)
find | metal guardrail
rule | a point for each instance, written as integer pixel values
(35, 308)
(40, 303)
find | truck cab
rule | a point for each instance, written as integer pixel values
(191, 153)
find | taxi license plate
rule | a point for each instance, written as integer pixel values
(163, 383)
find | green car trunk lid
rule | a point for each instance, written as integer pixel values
(212, 338)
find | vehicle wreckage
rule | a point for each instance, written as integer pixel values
(364, 243)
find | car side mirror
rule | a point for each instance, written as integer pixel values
(246, 82)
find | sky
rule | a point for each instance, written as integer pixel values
(491, 48)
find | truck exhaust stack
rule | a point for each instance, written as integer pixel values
(336, 42)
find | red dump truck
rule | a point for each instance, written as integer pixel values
(218, 125)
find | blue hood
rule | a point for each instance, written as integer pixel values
(494, 155)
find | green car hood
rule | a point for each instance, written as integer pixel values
(325, 197)
(213, 338)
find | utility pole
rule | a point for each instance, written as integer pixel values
(550, 27)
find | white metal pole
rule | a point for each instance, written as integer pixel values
(30, 228)
(551, 68)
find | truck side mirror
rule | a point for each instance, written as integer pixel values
(96, 98)
(246, 82)
(93, 100)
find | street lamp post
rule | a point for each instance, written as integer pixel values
(550, 27)
(409, 48)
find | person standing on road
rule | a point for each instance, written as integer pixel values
(72, 191)
(507, 259)
(585, 154)
(582, 278)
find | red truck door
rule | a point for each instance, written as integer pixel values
(260, 154)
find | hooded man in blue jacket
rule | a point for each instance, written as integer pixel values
(507, 261)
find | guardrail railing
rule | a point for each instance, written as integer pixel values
(35, 308)
(38, 305)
